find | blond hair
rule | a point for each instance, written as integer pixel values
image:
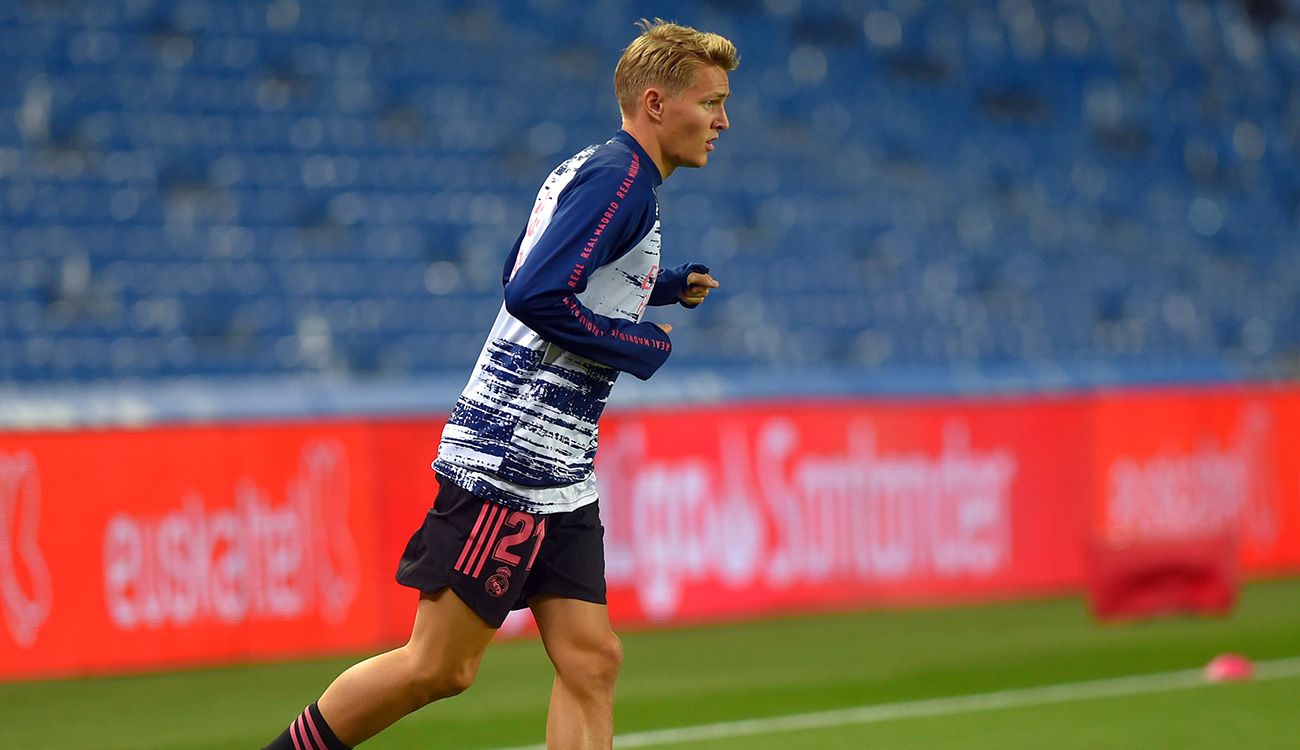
(668, 55)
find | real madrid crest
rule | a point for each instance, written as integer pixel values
(499, 583)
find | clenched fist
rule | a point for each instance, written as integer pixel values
(698, 286)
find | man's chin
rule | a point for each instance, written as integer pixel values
(695, 163)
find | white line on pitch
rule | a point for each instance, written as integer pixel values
(1032, 696)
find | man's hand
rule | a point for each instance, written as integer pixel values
(697, 288)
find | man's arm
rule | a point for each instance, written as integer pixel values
(592, 227)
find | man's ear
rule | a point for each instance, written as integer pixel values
(652, 101)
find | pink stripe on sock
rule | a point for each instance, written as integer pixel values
(302, 732)
(312, 723)
(293, 734)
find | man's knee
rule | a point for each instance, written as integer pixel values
(431, 682)
(613, 656)
(594, 664)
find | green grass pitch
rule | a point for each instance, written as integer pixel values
(708, 675)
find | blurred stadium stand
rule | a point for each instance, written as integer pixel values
(1020, 193)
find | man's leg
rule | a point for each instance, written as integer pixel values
(440, 660)
(587, 656)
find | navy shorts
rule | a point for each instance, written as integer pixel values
(496, 558)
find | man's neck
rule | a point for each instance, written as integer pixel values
(645, 136)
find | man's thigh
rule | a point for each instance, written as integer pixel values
(572, 628)
(447, 630)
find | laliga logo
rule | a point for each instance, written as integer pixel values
(252, 559)
(20, 558)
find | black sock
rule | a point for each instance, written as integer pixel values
(308, 732)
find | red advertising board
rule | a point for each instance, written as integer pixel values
(1190, 486)
(837, 504)
(148, 548)
(1178, 466)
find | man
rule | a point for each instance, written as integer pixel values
(515, 522)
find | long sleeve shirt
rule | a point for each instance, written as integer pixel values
(576, 285)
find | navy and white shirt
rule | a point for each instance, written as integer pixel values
(577, 283)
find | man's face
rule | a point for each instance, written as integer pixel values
(693, 119)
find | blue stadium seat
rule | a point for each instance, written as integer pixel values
(966, 186)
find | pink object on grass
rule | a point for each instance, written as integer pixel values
(1228, 668)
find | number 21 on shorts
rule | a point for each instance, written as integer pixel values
(486, 540)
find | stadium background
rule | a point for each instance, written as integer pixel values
(1010, 290)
